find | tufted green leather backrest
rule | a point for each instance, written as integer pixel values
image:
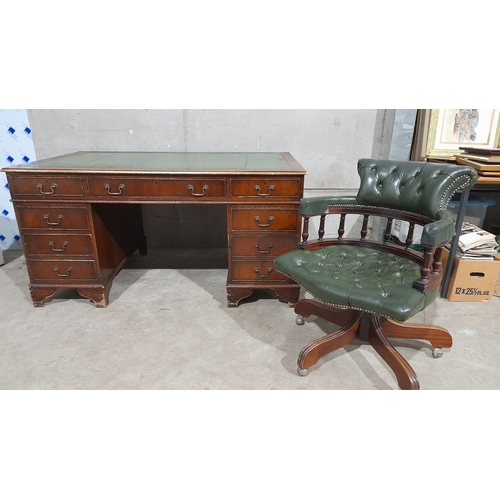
(418, 187)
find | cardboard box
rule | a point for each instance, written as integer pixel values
(473, 280)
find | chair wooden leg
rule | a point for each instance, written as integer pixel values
(436, 335)
(318, 348)
(376, 331)
(307, 307)
(406, 377)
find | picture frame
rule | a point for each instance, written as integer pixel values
(450, 129)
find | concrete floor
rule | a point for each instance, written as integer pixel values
(170, 329)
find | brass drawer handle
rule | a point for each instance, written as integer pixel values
(263, 276)
(263, 251)
(51, 245)
(120, 188)
(204, 189)
(59, 219)
(271, 189)
(52, 189)
(56, 270)
(257, 219)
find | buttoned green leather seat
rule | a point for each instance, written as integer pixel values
(370, 281)
(361, 278)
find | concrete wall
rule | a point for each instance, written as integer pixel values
(327, 143)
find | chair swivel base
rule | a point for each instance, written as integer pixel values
(370, 328)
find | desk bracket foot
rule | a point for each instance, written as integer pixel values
(38, 295)
(289, 295)
(99, 296)
(234, 295)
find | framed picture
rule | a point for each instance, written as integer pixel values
(449, 129)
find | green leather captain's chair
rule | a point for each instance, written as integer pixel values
(371, 285)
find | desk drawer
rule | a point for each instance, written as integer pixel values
(261, 218)
(58, 243)
(44, 187)
(259, 187)
(52, 217)
(255, 245)
(125, 187)
(256, 271)
(61, 270)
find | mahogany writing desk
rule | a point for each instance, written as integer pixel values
(80, 215)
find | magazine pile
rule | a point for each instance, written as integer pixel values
(475, 243)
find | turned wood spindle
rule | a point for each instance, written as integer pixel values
(388, 230)
(305, 230)
(364, 227)
(437, 263)
(426, 266)
(341, 225)
(321, 230)
(409, 237)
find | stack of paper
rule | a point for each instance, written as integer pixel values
(476, 243)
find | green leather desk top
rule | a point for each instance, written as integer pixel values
(163, 162)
